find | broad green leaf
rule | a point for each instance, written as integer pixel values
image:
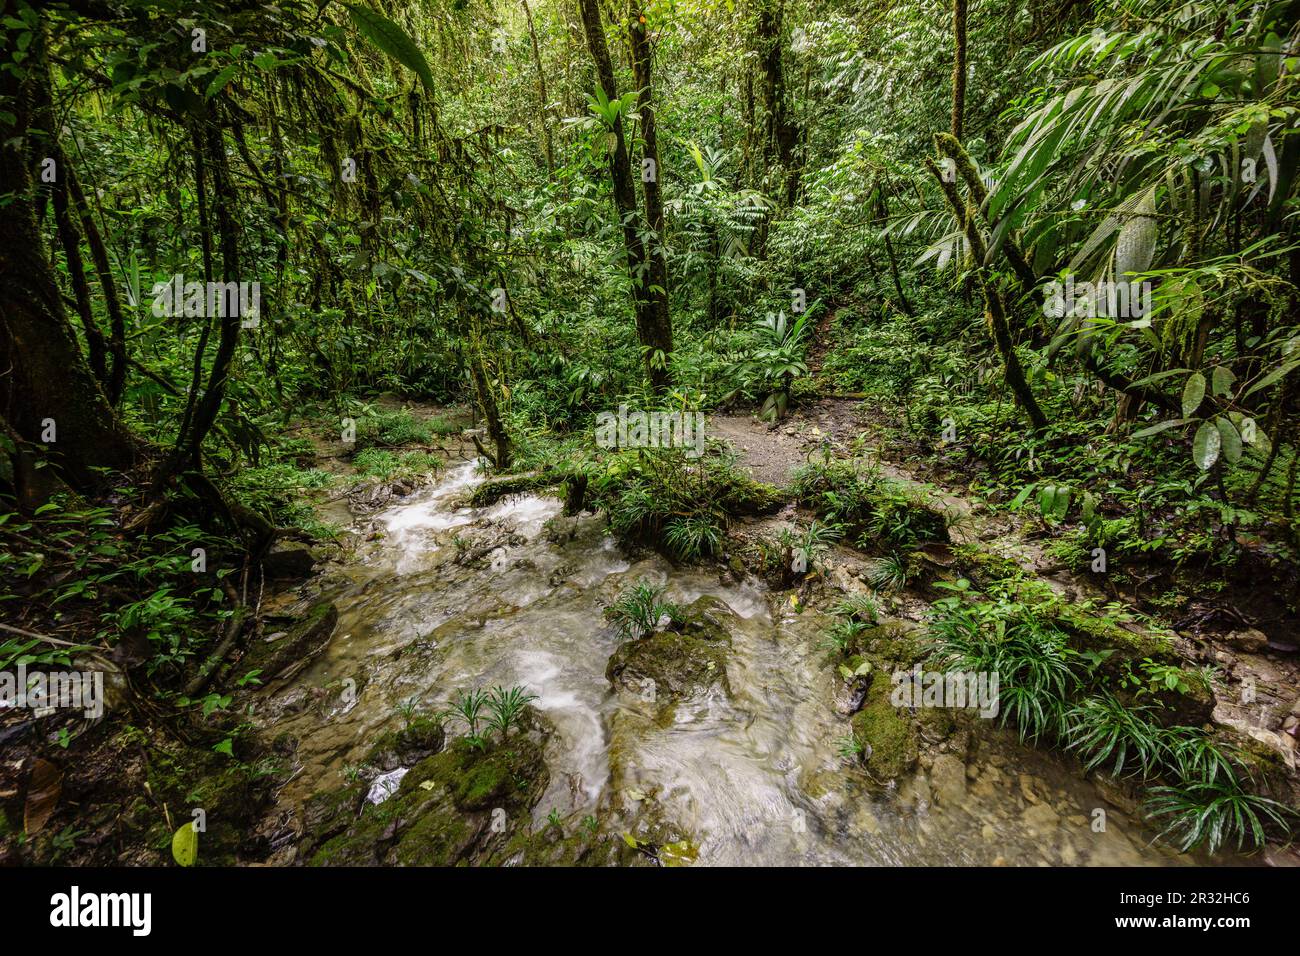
(391, 39)
(1136, 246)
(1231, 439)
(1222, 379)
(1193, 394)
(1205, 446)
(221, 79)
(185, 845)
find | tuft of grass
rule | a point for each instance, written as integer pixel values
(638, 610)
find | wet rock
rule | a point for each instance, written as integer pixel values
(1250, 639)
(850, 696)
(1040, 819)
(948, 779)
(891, 736)
(460, 806)
(291, 642)
(1116, 792)
(1291, 723)
(1027, 789)
(678, 664)
(328, 813)
(289, 561)
(422, 737)
(571, 843)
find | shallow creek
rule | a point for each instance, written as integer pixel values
(450, 598)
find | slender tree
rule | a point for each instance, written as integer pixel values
(655, 338)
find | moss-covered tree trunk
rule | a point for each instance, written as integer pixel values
(994, 307)
(653, 337)
(958, 66)
(780, 133)
(642, 58)
(48, 393)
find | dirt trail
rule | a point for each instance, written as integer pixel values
(773, 454)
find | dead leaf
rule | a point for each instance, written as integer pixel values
(43, 790)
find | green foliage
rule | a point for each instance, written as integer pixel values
(774, 362)
(664, 498)
(506, 708)
(639, 609)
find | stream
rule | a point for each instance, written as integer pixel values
(451, 598)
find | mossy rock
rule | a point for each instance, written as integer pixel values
(455, 808)
(681, 663)
(301, 638)
(422, 737)
(891, 735)
(551, 845)
(893, 643)
(231, 795)
(328, 813)
(984, 567)
(1089, 631)
(741, 495)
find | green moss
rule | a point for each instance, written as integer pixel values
(890, 735)
(551, 846)
(893, 642)
(438, 838)
(984, 567)
(1090, 631)
(422, 737)
(494, 489)
(680, 663)
(445, 810)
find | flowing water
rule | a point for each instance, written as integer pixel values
(451, 598)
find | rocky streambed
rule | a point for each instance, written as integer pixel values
(726, 738)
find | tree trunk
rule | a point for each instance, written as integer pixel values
(779, 132)
(642, 58)
(958, 66)
(542, 107)
(44, 379)
(496, 428)
(226, 200)
(994, 308)
(653, 338)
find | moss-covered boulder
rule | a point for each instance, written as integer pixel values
(886, 735)
(422, 737)
(290, 642)
(682, 662)
(569, 844)
(892, 642)
(458, 807)
(328, 813)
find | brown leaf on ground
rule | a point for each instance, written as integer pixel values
(43, 790)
